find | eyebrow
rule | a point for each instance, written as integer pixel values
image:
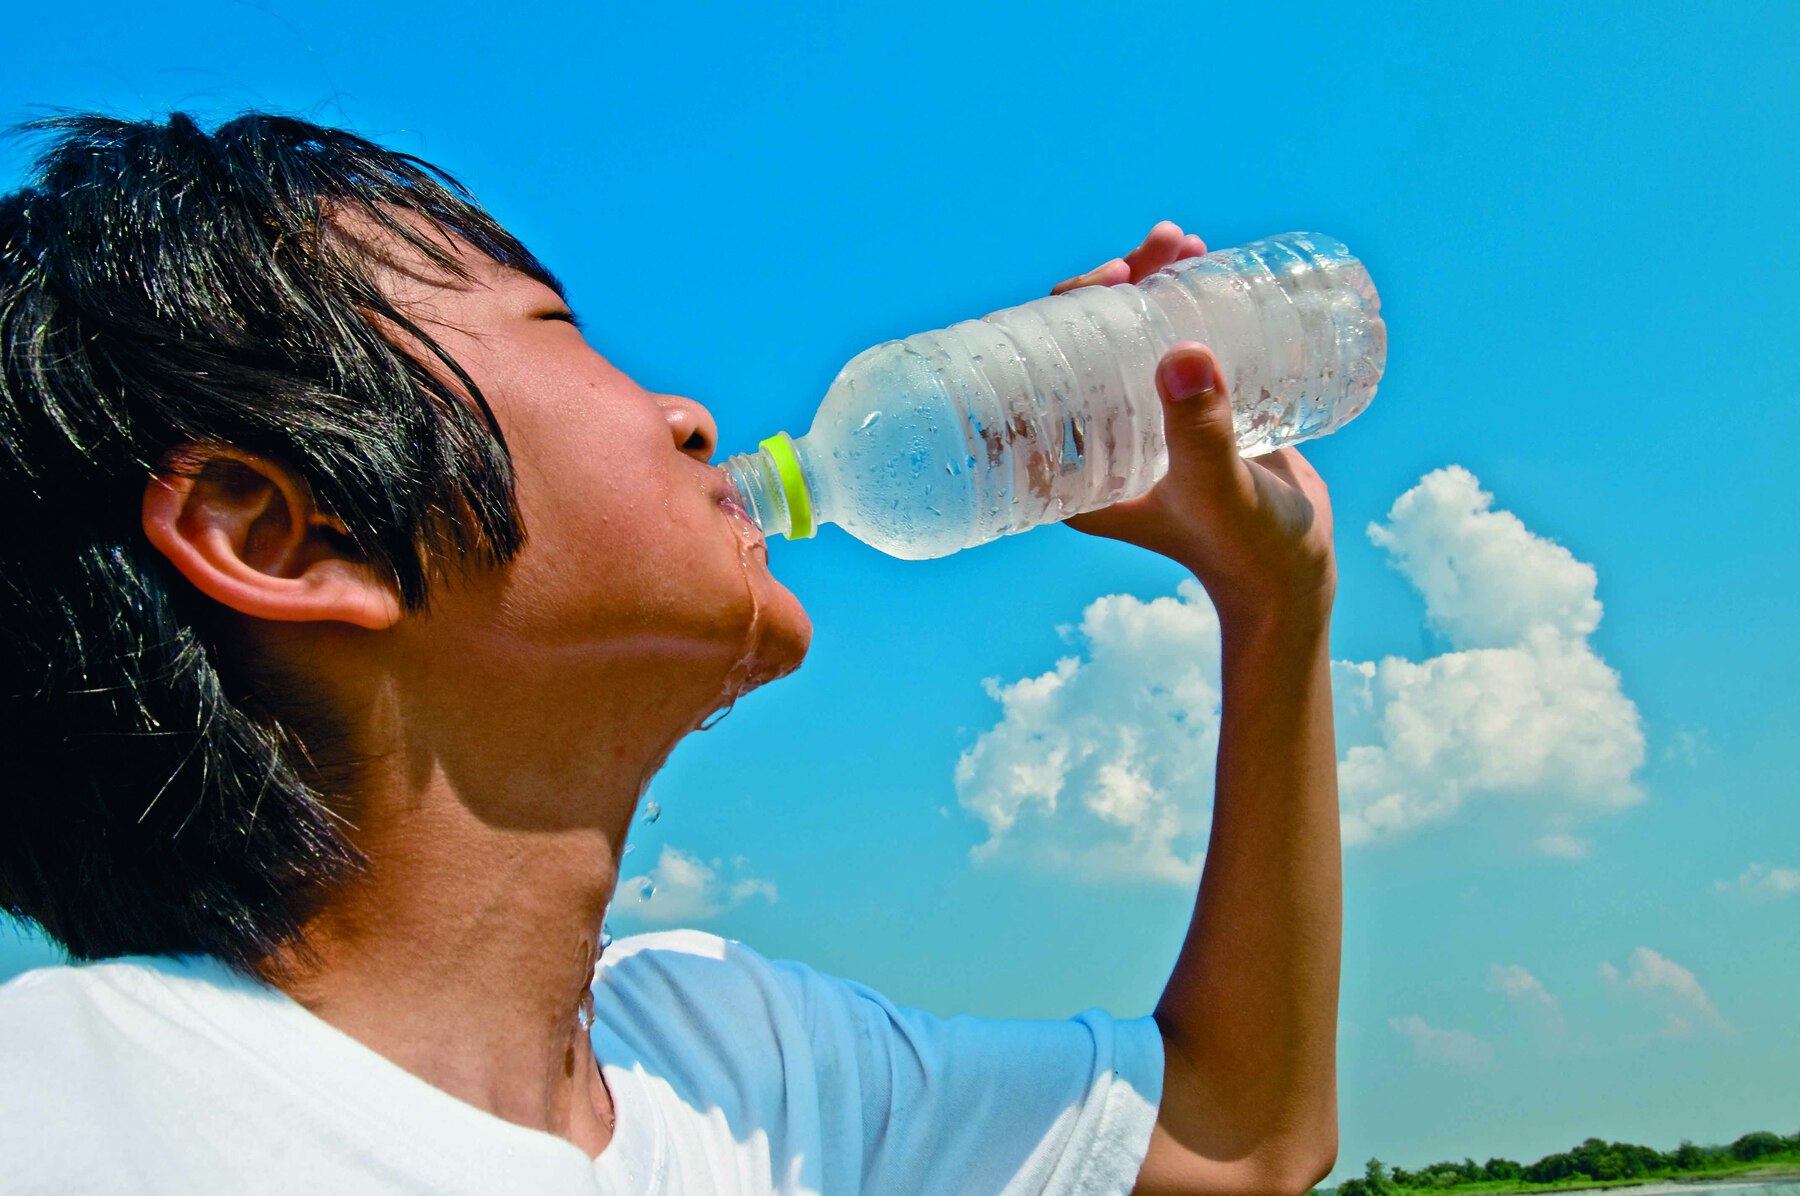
(541, 273)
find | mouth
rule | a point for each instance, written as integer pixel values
(726, 499)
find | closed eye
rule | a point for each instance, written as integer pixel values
(567, 317)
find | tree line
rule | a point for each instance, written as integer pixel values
(1593, 1159)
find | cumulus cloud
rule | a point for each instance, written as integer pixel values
(1104, 764)
(1521, 709)
(1487, 581)
(683, 889)
(1526, 991)
(1521, 986)
(1670, 989)
(1761, 880)
(1459, 1048)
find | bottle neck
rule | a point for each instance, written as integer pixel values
(774, 488)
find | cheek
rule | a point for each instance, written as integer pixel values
(586, 466)
(620, 544)
(622, 538)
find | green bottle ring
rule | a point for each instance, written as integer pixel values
(780, 448)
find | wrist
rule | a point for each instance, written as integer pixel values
(1297, 613)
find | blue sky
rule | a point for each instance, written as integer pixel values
(1565, 662)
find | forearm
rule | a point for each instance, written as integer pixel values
(1249, 1016)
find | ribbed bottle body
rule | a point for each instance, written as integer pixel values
(948, 439)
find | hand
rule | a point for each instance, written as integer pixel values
(1164, 244)
(1256, 533)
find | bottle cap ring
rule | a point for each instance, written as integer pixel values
(780, 448)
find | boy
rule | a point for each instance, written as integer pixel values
(351, 600)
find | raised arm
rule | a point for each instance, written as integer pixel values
(1249, 1016)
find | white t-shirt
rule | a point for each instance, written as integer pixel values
(729, 1074)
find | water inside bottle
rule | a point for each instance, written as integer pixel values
(949, 438)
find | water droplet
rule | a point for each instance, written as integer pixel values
(652, 811)
(867, 420)
(646, 889)
(605, 936)
(629, 848)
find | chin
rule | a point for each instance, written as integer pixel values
(786, 635)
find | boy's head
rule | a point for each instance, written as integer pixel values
(277, 408)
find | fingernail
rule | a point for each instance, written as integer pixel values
(1190, 375)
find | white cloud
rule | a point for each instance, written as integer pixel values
(1527, 992)
(683, 889)
(1687, 744)
(1487, 581)
(1104, 765)
(1520, 710)
(1761, 880)
(1521, 986)
(1458, 1048)
(1564, 846)
(1669, 988)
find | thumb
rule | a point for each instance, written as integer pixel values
(1197, 417)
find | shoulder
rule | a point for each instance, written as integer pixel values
(710, 975)
(71, 1038)
(88, 1017)
(683, 998)
(58, 1009)
(687, 1002)
(690, 973)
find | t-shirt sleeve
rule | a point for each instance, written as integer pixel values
(975, 1105)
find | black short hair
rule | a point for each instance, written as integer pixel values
(162, 286)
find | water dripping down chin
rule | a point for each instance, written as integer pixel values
(742, 677)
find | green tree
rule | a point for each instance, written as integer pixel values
(1688, 1157)
(1375, 1181)
(1756, 1145)
(1639, 1160)
(1437, 1175)
(1502, 1169)
(1551, 1168)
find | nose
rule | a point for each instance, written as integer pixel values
(692, 426)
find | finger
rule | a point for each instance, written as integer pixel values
(1197, 418)
(1290, 466)
(1191, 246)
(1159, 248)
(1275, 461)
(1118, 520)
(1105, 274)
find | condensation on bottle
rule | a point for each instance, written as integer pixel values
(948, 439)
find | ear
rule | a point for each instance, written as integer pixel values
(245, 531)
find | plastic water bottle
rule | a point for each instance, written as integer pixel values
(949, 439)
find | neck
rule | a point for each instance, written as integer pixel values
(465, 952)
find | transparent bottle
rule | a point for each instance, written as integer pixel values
(949, 439)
